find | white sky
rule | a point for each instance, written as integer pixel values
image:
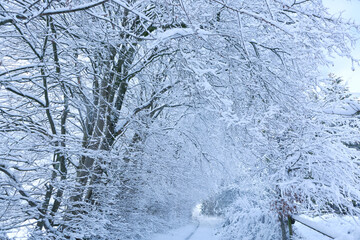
(343, 66)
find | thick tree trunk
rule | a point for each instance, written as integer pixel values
(102, 117)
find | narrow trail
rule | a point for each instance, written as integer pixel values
(206, 229)
(197, 231)
(192, 233)
(202, 228)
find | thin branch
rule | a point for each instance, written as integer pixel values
(256, 16)
(19, 188)
(18, 92)
(49, 12)
(20, 68)
(144, 106)
(5, 21)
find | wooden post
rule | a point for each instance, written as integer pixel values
(290, 227)
(283, 227)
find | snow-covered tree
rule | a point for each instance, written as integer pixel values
(118, 116)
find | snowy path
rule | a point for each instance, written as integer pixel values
(203, 228)
(206, 230)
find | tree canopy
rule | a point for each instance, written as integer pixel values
(118, 116)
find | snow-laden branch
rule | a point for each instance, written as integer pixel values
(71, 9)
(6, 20)
(48, 12)
(26, 95)
(144, 106)
(91, 5)
(256, 16)
(20, 68)
(124, 5)
(349, 108)
(21, 190)
(177, 33)
(82, 7)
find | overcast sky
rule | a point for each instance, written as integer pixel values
(342, 66)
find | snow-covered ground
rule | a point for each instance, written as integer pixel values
(205, 228)
(344, 228)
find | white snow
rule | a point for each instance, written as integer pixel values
(349, 107)
(340, 228)
(202, 228)
(205, 228)
(177, 234)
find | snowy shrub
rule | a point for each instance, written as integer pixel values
(252, 217)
